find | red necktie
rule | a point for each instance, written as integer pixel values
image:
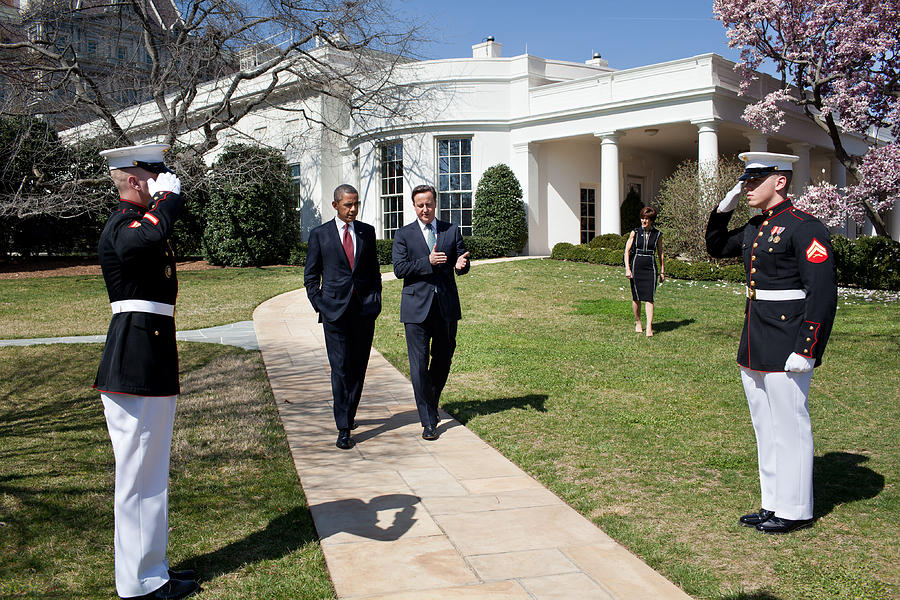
(348, 245)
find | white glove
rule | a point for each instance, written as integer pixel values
(164, 182)
(730, 201)
(797, 363)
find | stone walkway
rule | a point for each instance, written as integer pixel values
(401, 518)
(241, 334)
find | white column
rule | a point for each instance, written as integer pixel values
(801, 168)
(839, 178)
(525, 167)
(758, 142)
(609, 182)
(708, 145)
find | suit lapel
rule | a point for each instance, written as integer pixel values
(416, 231)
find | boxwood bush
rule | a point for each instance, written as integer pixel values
(866, 262)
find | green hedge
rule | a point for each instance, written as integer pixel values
(674, 268)
(484, 247)
(612, 241)
(384, 249)
(866, 262)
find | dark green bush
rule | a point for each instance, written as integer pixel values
(499, 212)
(250, 216)
(612, 241)
(867, 262)
(384, 249)
(484, 247)
(674, 268)
(298, 254)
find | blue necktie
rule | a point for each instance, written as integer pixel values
(429, 237)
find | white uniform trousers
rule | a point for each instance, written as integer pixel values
(140, 428)
(779, 409)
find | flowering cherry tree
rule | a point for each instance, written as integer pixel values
(839, 61)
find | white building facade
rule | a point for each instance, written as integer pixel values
(579, 137)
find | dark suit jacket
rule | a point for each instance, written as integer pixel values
(420, 277)
(328, 279)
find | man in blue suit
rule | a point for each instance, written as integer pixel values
(343, 283)
(426, 254)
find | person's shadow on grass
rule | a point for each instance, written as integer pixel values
(661, 326)
(838, 479)
(283, 535)
(464, 410)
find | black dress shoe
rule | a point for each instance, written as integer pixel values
(354, 426)
(184, 575)
(779, 525)
(344, 441)
(754, 519)
(429, 433)
(173, 589)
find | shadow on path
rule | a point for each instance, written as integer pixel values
(360, 518)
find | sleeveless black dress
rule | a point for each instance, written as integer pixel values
(643, 264)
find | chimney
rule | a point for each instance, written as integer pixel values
(597, 61)
(487, 49)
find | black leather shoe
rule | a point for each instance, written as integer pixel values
(173, 589)
(344, 441)
(779, 525)
(354, 426)
(429, 433)
(754, 519)
(185, 575)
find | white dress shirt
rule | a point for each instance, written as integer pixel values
(340, 225)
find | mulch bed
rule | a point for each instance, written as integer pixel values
(56, 267)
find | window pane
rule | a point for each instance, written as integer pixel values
(454, 165)
(454, 147)
(466, 164)
(444, 184)
(465, 182)
(466, 146)
(443, 164)
(454, 182)
(467, 218)
(443, 147)
(466, 200)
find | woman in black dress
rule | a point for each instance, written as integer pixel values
(643, 245)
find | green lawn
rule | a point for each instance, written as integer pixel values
(237, 513)
(651, 438)
(55, 306)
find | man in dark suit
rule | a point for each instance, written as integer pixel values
(426, 253)
(343, 283)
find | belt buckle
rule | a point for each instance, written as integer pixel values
(751, 292)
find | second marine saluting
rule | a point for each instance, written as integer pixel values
(790, 308)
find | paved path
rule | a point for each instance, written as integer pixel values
(240, 334)
(400, 518)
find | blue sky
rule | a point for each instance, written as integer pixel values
(628, 33)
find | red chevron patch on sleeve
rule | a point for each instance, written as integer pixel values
(152, 218)
(816, 252)
(134, 224)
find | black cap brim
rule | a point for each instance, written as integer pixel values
(759, 173)
(153, 167)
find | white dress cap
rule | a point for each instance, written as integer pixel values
(148, 156)
(761, 164)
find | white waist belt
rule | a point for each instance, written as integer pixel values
(146, 306)
(755, 294)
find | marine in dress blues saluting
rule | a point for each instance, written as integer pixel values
(788, 316)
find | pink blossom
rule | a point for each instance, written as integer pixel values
(826, 202)
(879, 178)
(766, 116)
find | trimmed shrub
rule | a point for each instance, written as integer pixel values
(250, 217)
(484, 247)
(867, 262)
(384, 249)
(499, 212)
(611, 241)
(298, 254)
(678, 269)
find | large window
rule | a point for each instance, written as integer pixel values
(455, 182)
(296, 187)
(391, 189)
(588, 214)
